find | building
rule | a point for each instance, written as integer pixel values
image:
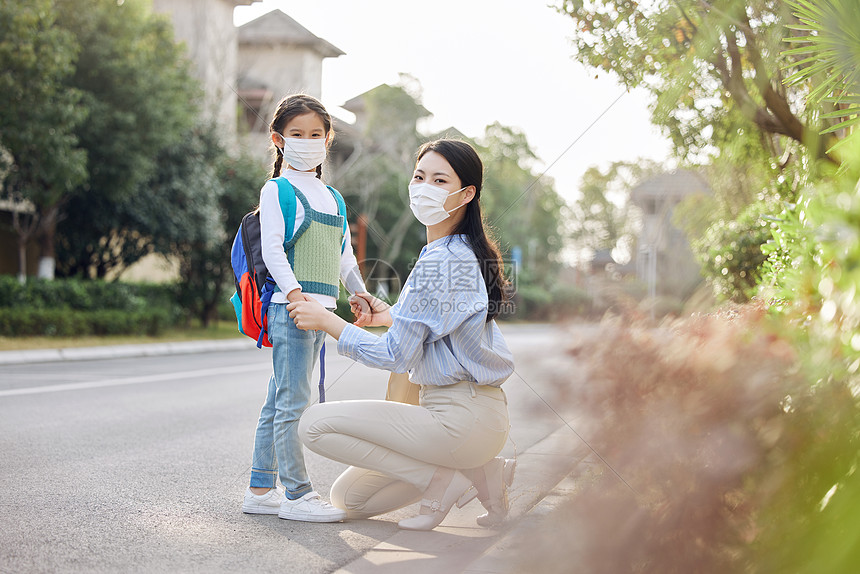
(664, 261)
(245, 72)
(206, 29)
(277, 57)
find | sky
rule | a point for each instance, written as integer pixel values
(478, 62)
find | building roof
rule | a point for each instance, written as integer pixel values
(675, 184)
(356, 105)
(277, 28)
(449, 133)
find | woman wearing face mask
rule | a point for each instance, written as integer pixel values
(443, 332)
(307, 263)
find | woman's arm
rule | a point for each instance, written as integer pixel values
(400, 349)
(309, 314)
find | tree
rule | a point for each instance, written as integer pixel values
(709, 63)
(376, 186)
(522, 206)
(38, 119)
(207, 200)
(718, 70)
(602, 217)
(141, 100)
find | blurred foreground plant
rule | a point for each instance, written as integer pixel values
(731, 461)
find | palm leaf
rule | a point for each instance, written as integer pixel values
(829, 52)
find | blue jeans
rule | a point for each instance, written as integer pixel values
(277, 448)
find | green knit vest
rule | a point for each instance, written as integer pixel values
(314, 251)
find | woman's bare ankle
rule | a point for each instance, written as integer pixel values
(258, 490)
(438, 484)
(479, 481)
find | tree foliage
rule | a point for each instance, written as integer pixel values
(521, 207)
(830, 49)
(141, 100)
(731, 81)
(602, 215)
(39, 115)
(708, 63)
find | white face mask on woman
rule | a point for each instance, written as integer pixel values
(427, 202)
(304, 154)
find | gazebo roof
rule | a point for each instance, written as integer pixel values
(673, 184)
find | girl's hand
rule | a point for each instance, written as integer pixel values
(361, 309)
(379, 315)
(310, 315)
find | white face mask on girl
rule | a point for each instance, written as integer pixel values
(427, 202)
(304, 154)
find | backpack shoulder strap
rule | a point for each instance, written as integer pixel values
(341, 208)
(287, 199)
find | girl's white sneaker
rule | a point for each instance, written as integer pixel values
(310, 508)
(269, 503)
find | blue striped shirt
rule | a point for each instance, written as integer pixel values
(439, 332)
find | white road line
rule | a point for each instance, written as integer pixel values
(136, 380)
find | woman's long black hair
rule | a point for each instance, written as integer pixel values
(467, 165)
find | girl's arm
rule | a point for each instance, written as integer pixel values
(272, 232)
(350, 274)
(429, 307)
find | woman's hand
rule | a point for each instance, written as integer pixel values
(297, 295)
(311, 315)
(379, 315)
(361, 309)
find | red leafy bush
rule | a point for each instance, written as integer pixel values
(716, 455)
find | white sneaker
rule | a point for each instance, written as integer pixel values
(269, 503)
(310, 508)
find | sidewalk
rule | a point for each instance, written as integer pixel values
(121, 351)
(545, 472)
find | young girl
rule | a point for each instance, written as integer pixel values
(442, 331)
(306, 266)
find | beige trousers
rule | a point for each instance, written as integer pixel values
(395, 448)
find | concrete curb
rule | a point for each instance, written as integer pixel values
(122, 351)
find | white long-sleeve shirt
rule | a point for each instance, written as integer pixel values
(273, 230)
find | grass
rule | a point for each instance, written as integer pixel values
(219, 330)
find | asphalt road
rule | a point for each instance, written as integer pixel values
(140, 464)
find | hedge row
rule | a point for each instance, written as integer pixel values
(70, 323)
(84, 295)
(74, 307)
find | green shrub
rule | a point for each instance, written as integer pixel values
(569, 301)
(71, 323)
(74, 307)
(731, 256)
(532, 303)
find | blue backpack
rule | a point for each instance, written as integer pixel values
(254, 285)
